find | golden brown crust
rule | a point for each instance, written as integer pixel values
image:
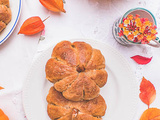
(97, 61)
(75, 91)
(63, 84)
(57, 70)
(5, 14)
(2, 26)
(86, 117)
(65, 52)
(60, 108)
(4, 2)
(84, 53)
(98, 76)
(83, 88)
(77, 70)
(57, 111)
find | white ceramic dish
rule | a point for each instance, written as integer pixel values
(15, 6)
(120, 92)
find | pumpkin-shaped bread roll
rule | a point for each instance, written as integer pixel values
(77, 70)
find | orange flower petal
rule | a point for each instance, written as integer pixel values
(149, 38)
(130, 37)
(126, 32)
(135, 33)
(130, 17)
(153, 31)
(126, 21)
(140, 37)
(121, 25)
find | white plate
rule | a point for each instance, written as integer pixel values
(120, 92)
(15, 6)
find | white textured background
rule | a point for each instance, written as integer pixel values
(84, 18)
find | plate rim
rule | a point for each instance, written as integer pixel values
(85, 40)
(14, 25)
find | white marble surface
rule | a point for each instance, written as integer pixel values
(84, 18)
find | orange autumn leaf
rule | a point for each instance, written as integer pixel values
(147, 92)
(53, 5)
(151, 114)
(32, 26)
(3, 116)
(1, 88)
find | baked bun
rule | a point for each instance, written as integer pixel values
(77, 70)
(59, 108)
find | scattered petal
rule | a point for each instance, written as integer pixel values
(147, 92)
(141, 60)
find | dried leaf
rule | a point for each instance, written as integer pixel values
(53, 5)
(32, 26)
(141, 60)
(147, 92)
(1, 88)
(151, 114)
